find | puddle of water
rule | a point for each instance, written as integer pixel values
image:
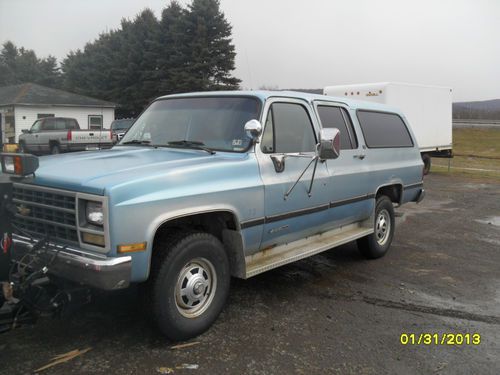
(494, 220)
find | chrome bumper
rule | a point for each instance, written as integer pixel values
(76, 265)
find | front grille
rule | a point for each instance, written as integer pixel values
(45, 212)
(48, 197)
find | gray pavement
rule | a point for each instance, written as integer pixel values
(335, 313)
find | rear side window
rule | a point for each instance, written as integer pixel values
(336, 117)
(383, 129)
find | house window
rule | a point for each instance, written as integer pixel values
(43, 115)
(95, 122)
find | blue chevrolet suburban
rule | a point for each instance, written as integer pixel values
(205, 186)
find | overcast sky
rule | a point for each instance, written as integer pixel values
(306, 44)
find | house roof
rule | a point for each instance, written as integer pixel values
(33, 94)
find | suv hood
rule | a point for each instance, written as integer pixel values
(97, 172)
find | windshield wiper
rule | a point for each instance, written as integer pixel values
(191, 144)
(137, 142)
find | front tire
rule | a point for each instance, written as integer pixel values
(378, 243)
(189, 284)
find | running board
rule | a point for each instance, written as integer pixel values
(278, 256)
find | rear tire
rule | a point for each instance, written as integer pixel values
(427, 163)
(378, 243)
(189, 284)
(55, 149)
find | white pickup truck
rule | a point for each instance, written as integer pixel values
(53, 135)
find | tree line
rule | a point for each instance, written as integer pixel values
(187, 49)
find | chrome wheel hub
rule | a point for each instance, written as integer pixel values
(195, 287)
(382, 227)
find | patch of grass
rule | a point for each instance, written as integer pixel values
(477, 153)
(474, 174)
(469, 162)
(483, 142)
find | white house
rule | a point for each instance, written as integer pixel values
(21, 105)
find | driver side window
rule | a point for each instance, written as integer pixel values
(288, 129)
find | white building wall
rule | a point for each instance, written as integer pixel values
(27, 115)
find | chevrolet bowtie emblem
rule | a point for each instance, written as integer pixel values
(23, 210)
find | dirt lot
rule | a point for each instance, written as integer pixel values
(333, 313)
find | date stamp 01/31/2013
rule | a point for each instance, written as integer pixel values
(445, 339)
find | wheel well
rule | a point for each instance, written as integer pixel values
(53, 143)
(393, 192)
(221, 224)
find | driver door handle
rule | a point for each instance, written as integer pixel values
(360, 156)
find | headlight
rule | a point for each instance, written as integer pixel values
(94, 213)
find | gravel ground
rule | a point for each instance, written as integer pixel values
(334, 313)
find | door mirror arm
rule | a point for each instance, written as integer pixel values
(327, 148)
(313, 160)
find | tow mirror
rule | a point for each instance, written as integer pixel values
(329, 143)
(253, 128)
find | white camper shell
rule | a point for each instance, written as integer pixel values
(428, 110)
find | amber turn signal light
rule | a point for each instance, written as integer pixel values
(131, 248)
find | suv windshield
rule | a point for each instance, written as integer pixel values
(215, 123)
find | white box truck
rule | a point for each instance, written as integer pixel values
(428, 110)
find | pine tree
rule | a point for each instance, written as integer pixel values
(19, 65)
(173, 58)
(212, 53)
(188, 49)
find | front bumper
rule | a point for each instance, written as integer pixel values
(76, 265)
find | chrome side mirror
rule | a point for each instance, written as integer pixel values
(329, 143)
(253, 128)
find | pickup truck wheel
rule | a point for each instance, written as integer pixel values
(189, 285)
(55, 149)
(377, 244)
